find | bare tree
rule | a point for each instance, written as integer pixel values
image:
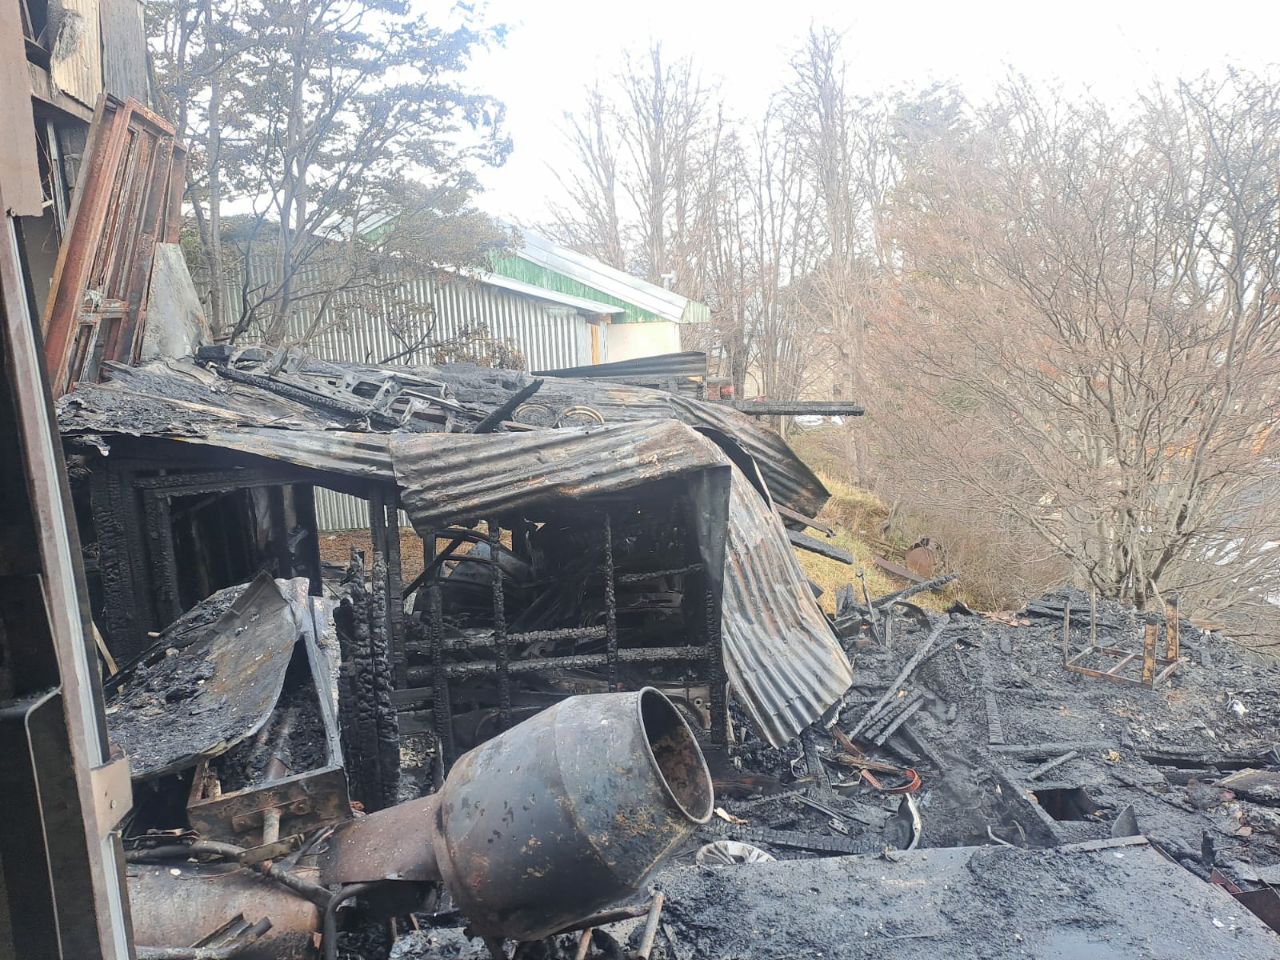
(1086, 338)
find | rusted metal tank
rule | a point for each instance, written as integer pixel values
(548, 822)
(177, 903)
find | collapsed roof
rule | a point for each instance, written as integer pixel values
(781, 657)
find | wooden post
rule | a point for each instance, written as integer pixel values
(1093, 617)
(1149, 654)
(1066, 632)
(1172, 641)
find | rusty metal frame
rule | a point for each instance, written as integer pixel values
(128, 199)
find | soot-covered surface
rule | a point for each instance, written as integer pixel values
(1117, 903)
(195, 702)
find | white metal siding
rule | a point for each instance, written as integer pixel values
(549, 336)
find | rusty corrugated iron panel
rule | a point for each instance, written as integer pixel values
(783, 661)
(447, 478)
(75, 57)
(789, 479)
(128, 198)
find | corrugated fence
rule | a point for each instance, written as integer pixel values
(357, 329)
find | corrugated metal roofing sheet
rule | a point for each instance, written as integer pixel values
(448, 477)
(782, 659)
(789, 479)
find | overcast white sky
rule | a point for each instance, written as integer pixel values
(556, 47)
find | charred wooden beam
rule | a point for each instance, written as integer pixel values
(814, 545)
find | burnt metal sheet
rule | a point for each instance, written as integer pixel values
(128, 199)
(306, 800)
(783, 661)
(448, 477)
(180, 399)
(789, 479)
(691, 363)
(201, 701)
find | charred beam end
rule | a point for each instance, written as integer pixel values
(509, 406)
(936, 583)
(798, 408)
(799, 517)
(814, 545)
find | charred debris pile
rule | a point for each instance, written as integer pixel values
(609, 717)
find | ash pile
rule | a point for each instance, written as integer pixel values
(1006, 785)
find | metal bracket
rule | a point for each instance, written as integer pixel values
(112, 793)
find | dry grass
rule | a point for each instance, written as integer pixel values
(858, 517)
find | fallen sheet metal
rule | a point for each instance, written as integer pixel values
(310, 789)
(178, 709)
(782, 659)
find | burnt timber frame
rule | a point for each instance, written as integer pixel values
(432, 685)
(1155, 668)
(130, 500)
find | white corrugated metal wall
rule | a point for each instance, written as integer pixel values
(549, 336)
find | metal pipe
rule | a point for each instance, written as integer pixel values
(229, 851)
(225, 952)
(650, 927)
(329, 930)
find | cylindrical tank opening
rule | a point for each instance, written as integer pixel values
(676, 755)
